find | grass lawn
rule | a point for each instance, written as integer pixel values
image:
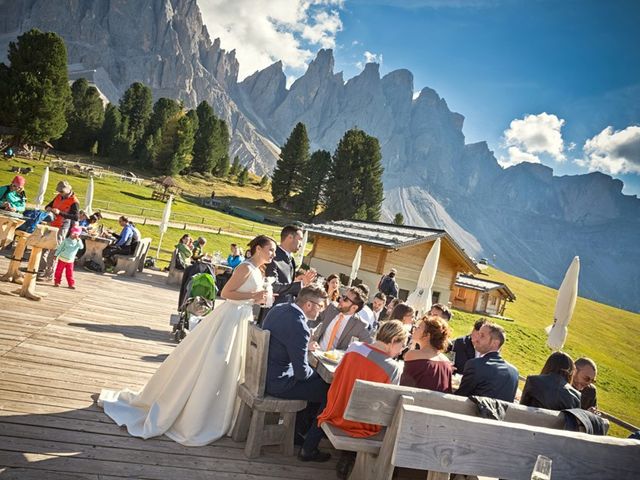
(606, 334)
(112, 194)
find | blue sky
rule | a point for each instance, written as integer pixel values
(561, 70)
(498, 61)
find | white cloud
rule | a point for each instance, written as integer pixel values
(369, 58)
(263, 32)
(613, 152)
(533, 136)
(516, 156)
(372, 57)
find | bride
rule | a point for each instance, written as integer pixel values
(192, 396)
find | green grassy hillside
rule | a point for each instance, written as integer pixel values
(112, 194)
(606, 334)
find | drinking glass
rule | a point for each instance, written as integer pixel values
(542, 469)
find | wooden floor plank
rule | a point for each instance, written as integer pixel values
(56, 356)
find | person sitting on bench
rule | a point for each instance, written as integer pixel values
(126, 242)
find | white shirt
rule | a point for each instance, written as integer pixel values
(324, 341)
(367, 315)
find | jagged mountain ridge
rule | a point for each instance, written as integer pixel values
(163, 44)
(524, 219)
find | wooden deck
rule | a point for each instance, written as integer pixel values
(55, 357)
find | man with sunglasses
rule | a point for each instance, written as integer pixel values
(12, 196)
(338, 325)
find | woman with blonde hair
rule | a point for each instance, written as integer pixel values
(374, 362)
(428, 367)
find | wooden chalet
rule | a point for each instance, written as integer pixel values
(386, 246)
(478, 295)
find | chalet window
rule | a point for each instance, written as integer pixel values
(461, 293)
(435, 297)
(493, 300)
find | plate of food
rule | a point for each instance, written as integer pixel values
(332, 356)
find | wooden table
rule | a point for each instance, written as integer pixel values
(43, 238)
(13, 273)
(94, 247)
(8, 224)
(325, 368)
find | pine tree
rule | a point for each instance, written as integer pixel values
(294, 156)
(135, 107)
(398, 219)
(222, 169)
(175, 145)
(354, 189)
(163, 110)
(235, 167)
(84, 118)
(34, 88)
(264, 181)
(205, 140)
(314, 181)
(243, 177)
(221, 149)
(109, 130)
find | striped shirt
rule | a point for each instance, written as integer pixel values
(361, 362)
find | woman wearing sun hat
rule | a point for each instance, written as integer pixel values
(12, 196)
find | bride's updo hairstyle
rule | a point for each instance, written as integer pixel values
(260, 241)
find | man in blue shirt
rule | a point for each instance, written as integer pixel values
(126, 242)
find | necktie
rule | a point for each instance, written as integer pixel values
(334, 331)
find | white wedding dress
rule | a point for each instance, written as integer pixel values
(192, 396)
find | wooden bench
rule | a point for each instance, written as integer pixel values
(253, 424)
(439, 441)
(130, 264)
(175, 274)
(376, 403)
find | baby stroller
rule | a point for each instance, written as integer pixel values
(197, 299)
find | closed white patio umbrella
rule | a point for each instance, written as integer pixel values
(420, 298)
(89, 199)
(355, 265)
(164, 224)
(42, 191)
(565, 303)
(305, 237)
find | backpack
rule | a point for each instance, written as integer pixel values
(203, 285)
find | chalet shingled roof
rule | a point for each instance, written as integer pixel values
(386, 235)
(473, 283)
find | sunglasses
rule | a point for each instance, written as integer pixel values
(346, 298)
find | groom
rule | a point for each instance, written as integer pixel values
(283, 268)
(288, 372)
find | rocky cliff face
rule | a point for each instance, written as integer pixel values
(523, 219)
(163, 44)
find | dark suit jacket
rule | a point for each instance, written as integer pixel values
(549, 391)
(288, 346)
(464, 351)
(355, 327)
(489, 376)
(284, 269)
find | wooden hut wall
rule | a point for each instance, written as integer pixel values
(342, 252)
(464, 299)
(409, 261)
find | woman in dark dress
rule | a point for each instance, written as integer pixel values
(552, 388)
(428, 367)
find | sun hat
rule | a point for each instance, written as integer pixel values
(19, 181)
(75, 230)
(62, 185)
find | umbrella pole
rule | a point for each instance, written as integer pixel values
(159, 245)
